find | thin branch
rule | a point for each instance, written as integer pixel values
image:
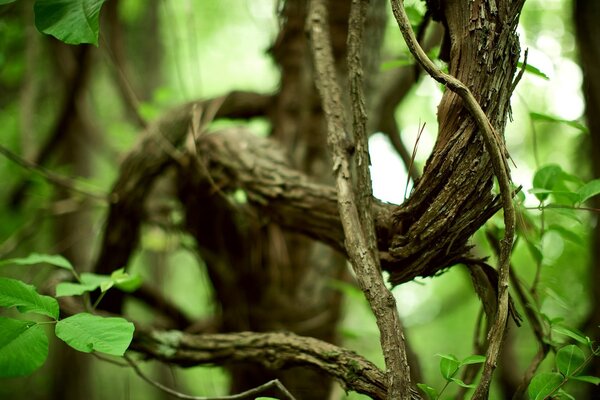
(248, 394)
(358, 235)
(496, 150)
(74, 87)
(273, 350)
(52, 177)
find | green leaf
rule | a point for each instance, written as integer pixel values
(124, 281)
(544, 384)
(545, 178)
(7, 1)
(569, 196)
(73, 289)
(35, 258)
(569, 359)
(86, 333)
(387, 65)
(23, 347)
(572, 333)
(14, 293)
(71, 21)
(594, 380)
(474, 359)
(589, 190)
(88, 278)
(569, 213)
(448, 365)
(533, 70)
(549, 118)
(564, 395)
(461, 383)
(429, 391)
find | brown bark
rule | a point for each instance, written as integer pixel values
(267, 272)
(586, 16)
(272, 351)
(453, 198)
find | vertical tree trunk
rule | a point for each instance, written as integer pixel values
(73, 233)
(587, 29)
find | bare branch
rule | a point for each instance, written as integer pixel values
(271, 350)
(358, 235)
(248, 394)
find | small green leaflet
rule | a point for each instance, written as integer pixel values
(572, 333)
(449, 364)
(569, 359)
(594, 380)
(550, 118)
(545, 178)
(533, 70)
(7, 1)
(474, 359)
(14, 293)
(86, 333)
(91, 282)
(23, 347)
(463, 384)
(544, 384)
(35, 258)
(71, 21)
(589, 190)
(431, 392)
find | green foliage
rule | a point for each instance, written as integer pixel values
(23, 347)
(89, 282)
(24, 344)
(86, 333)
(543, 385)
(71, 21)
(533, 70)
(25, 298)
(570, 360)
(35, 258)
(449, 367)
(550, 118)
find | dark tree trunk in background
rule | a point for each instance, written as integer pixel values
(266, 278)
(73, 230)
(587, 28)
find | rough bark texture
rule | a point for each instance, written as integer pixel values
(270, 258)
(453, 198)
(586, 16)
(273, 351)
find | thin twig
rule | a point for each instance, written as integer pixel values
(358, 230)
(248, 394)
(50, 176)
(496, 150)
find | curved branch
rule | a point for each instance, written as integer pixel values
(497, 151)
(157, 150)
(271, 350)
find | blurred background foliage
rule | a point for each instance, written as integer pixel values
(182, 50)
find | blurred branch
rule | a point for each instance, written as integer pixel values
(394, 90)
(54, 178)
(74, 85)
(113, 47)
(272, 350)
(156, 150)
(353, 190)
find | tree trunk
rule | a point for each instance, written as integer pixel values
(586, 16)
